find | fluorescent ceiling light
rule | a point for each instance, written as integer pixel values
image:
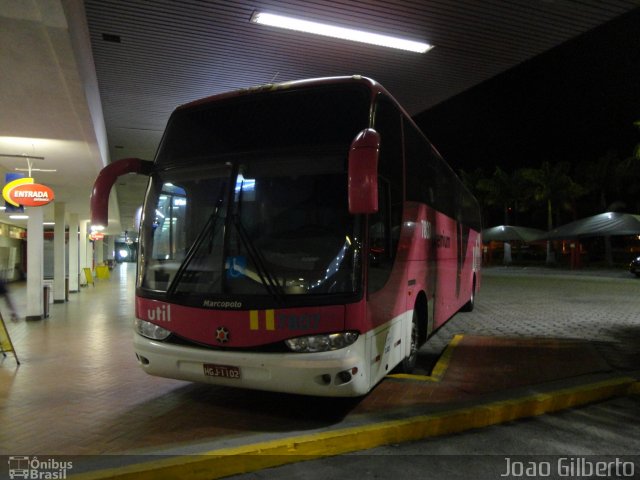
(18, 217)
(339, 32)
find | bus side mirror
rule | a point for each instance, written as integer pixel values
(106, 178)
(363, 172)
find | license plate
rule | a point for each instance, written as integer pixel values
(224, 371)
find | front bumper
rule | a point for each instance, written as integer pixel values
(338, 373)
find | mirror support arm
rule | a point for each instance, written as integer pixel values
(104, 182)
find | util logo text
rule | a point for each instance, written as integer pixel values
(162, 313)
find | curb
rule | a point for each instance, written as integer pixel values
(440, 367)
(248, 458)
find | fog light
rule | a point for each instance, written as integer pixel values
(142, 360)
(344, 376)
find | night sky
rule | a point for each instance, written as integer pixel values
(571, 103)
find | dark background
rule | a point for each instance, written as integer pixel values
(572, 103)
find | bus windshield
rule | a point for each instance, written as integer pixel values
(249, 197)
(257, 226)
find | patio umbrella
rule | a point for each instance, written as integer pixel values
(604, 224)
(507, 233)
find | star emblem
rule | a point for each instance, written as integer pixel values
(222, 335)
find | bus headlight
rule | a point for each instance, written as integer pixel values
(150, 330)
(321, 343)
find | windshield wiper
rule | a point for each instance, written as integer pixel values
(269, 282)
(207, 232)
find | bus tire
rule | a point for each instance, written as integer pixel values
(408, 363)
(468, 307)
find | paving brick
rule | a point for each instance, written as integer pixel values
(79, 389)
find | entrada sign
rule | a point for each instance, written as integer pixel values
(24, 191)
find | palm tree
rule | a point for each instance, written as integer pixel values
(636, 150)
(615, 182)
(471, 181)
(552, 186)
(499, 191)
(628, 176)
(502, 190)
(601, 177)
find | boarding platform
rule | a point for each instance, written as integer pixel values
(80, 396)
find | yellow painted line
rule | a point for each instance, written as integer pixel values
(415, 378)
(248, 458)
(269, 319)
(634, 389)
(253, 320)
(271, 324)
(442, 365)
(440, 368)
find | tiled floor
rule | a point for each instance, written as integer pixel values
(79, 389)
(77, 371)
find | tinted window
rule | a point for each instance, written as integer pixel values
(421, 180)
(384, 226)
(266, 121)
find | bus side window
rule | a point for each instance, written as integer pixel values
(421, 183)
(380, 258)
(384, 226)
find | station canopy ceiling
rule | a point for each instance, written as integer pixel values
(153, 55)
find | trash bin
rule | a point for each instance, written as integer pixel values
(46, 294)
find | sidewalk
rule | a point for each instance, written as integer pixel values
(534, 343)
(600, 273)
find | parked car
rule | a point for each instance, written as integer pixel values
(634, 266)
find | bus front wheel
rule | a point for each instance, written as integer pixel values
(408, 363)
(468, 307)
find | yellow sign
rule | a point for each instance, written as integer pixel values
(102, 271)
(89, 276)
(25, 192)
(8, 188)
(6, 346)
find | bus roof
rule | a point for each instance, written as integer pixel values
(371, 84)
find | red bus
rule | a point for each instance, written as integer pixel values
(303, 237)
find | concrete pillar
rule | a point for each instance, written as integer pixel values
(83, 250)
(111, 247)
(74, 257)
(99, 247)
(35, 267)
(90, 260)
(59, 255)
